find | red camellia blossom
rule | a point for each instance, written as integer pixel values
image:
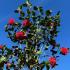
(52, 61)
(26, 22)
(20, 35)
(11, 21)
(64, 51)
(1, 46)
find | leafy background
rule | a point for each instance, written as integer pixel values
(7, 8)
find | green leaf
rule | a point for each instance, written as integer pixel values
(39, 52)
(47, 65)
(34, 18)
(6, 28)
(33, 13)
(41, 10)
(35, 8)
(9, 52)
(46, 47)
(24, 5)
(28, 4)
(42, 65)
(20, 7)
(28, 11)
(58, 13)
(22, 14)
(2, 59)
(21, 18)
(48, 12)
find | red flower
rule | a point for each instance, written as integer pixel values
(1, 46)
(20, 35)
(52, 61)
(64, 51)
(11, 21)
(26, 22)
(8, 64)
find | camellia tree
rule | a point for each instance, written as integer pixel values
(37, 31)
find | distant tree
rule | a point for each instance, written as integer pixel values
(37, 30)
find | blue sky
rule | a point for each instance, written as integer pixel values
(7, 8)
